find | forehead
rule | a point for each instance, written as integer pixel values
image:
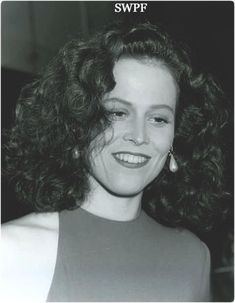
(144, 82)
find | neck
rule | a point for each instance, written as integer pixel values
(102, 203)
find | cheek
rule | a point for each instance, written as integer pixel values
(109, 135)
(163, 140)
(98, 145)
(100, 151)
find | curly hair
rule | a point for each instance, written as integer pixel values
(62, 111)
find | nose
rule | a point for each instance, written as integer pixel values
(136, 133)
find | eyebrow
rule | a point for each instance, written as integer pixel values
(156, 106)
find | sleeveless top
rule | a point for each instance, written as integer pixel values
(140, 260)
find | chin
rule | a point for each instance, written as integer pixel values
(124, 193)
(124, 189)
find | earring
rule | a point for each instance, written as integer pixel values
(173, 166)
(76, 153)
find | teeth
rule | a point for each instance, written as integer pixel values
(131, 158)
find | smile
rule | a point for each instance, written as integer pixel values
(131, 160)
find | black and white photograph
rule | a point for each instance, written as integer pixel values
(117, 151)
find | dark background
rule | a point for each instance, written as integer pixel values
(32, 33)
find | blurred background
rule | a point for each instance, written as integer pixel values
(33, 31)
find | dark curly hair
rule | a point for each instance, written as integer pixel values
(61, 112)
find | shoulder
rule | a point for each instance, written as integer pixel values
(192, 257)
(27, 233)
(182, 240)
(199, 260)
(29, 249)
(32, 223)
(188, 238)
(187, 244)
(185, 260)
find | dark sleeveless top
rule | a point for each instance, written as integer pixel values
(139, 260)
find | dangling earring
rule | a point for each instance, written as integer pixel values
(76, 153)
(173, 166)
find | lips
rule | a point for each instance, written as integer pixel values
(131, 160)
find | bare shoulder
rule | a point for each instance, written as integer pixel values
(29, 232)
(29, 249)
(40, 221)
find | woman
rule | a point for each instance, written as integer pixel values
(116, 128)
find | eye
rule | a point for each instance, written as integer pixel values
(159, 121)
(117, 115)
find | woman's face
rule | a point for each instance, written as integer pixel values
(142, 109)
